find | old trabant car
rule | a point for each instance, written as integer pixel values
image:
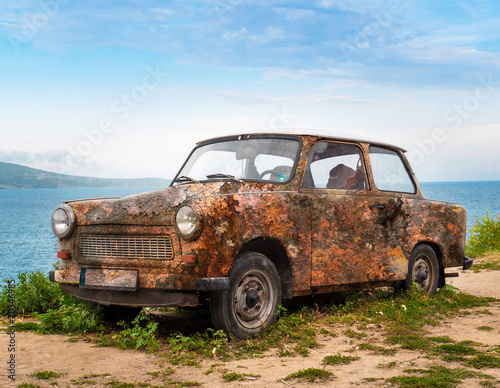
(253, 219)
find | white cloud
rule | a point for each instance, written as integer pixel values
(245, 99)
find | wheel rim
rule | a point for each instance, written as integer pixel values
(253, 299)
(422, 272)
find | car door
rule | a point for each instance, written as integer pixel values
(347, 245)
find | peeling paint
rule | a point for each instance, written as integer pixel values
(327, 239)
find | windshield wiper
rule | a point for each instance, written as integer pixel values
(184, 178)
(221, 175)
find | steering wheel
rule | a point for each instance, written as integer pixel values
(265, 172)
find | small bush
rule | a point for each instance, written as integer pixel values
(484, 236)
(34, 292)
(339, 359)
(137, 336)
(68, 319)
(310, 375)
(46, 375)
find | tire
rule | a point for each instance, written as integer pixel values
(252, 300)
(423, 270)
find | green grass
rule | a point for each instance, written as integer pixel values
(339, 359)
(83, 382)
(484, 236)
(489, 262)
(57, 311)
(46, 375)
(484, 361)
(141, 333)
(311, 375)
(434, 377)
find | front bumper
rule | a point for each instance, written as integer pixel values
(140, 298)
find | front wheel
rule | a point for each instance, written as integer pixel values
(423, 270)
(252, 300)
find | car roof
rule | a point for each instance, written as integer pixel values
(304, 132)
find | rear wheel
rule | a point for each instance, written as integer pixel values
(252, 300)
(423, 269)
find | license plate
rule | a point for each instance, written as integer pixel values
(114, 279)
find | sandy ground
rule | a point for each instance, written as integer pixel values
(81, 359)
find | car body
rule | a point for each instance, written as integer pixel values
(253, 219)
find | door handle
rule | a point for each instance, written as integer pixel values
(377, 206)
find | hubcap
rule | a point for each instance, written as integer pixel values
(421, 269)
(253, 299)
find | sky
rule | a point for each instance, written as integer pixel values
(125, 89)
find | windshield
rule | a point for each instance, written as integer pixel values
(260, 159)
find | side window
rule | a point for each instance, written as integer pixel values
(335, 166)
(389, 171)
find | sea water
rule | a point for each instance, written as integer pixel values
(28, 244)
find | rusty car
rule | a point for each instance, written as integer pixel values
(253, 219)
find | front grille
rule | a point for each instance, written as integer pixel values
(126, 247)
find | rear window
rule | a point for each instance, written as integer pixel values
(389, 171)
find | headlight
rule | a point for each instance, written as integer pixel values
(63, 221)
(186, 220)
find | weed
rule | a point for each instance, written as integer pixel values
(24, 326)
(33, 293)
(46, 375)
(79, 319)
(483, 361)
(28, 385)
(310, 375)
(484, 236)
(180, 384)
(186, 350)
(135, 336)
(485, 328)
(96, 375)
(212, 368)
(167, 372)
(327, 332)
(458, 349)
(442, 340)
(83, 382)
(391, 364)
(119, 384)
(339, 359)
(410, 341)
(436, 376)
(354, 334)
(232, 376)
(491, 262)
(377, 349)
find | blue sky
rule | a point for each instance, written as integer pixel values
(126, 88)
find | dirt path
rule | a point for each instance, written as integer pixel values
(77, 361)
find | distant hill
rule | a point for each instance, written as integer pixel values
(15, 176)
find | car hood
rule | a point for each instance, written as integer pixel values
(155, 207)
